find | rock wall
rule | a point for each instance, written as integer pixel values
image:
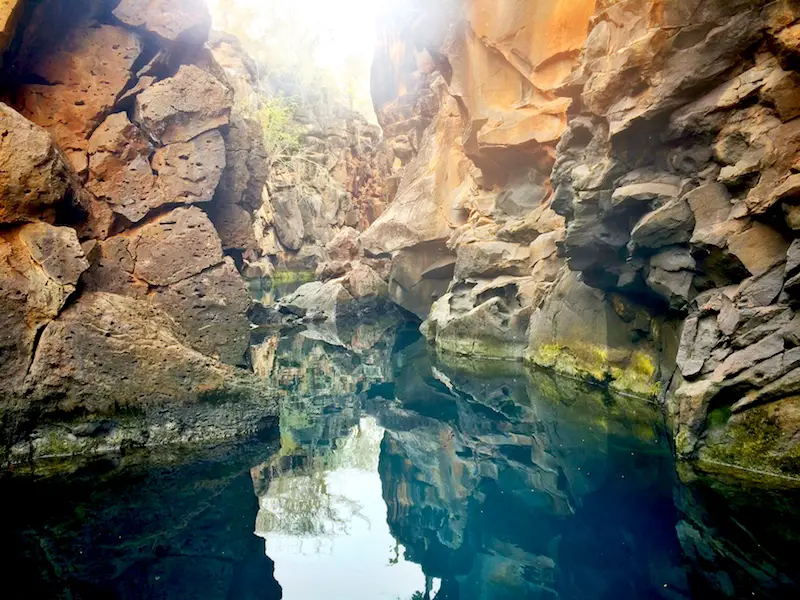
(607, 189)
(117, 150)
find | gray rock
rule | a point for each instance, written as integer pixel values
(673, 260)
(289, 225)
(671, 224)
(674, 286)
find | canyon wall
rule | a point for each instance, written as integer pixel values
(608, 189)
(117, 148)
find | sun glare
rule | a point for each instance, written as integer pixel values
(335, 36)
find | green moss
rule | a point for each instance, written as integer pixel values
(284, 277)
(588, 361)
(753, 440)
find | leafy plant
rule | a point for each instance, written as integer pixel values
(282, 133)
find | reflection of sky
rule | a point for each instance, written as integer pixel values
(350, 554)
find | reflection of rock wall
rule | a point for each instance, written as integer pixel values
(113, 275)
(653, 145)
(504, 485)
(154, 526)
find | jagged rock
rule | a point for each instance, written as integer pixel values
(645, 192)
(189, 172)
(489, 319)
(344, 246)
(39, 270)
(328, 300)
(492, 258)
(108, 352)
(673, 260)
(673, 223)
(421, 275)
(85, 75)
(288, 219)
(762, 290)
(673, 286)
(34, 176)
(758, 247)
(210, 308)
(174, 247)
(698, 338)
(710, 203)
(363, 282)
(119, 167)
(182, 107)
(171, 21)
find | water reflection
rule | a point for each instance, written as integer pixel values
(403, 475)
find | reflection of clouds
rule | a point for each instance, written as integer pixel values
(325, 525)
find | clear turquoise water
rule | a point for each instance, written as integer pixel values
(400, 475)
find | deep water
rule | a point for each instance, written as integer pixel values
(401, 475)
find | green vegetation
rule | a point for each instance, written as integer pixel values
(282, 133)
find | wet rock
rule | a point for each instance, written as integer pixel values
(170, 21)
(182, 107)
(85, 75)
(34, 176)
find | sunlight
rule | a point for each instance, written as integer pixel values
(335, 37)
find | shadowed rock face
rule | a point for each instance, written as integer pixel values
(651, 149)
(155, 525)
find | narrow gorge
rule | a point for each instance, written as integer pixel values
(555, 246)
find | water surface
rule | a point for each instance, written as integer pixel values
(397, 474)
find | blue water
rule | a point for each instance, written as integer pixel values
(400, 475)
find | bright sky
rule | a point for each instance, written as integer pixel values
(345, 29)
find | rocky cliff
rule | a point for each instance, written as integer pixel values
(608, 189)
(118, 149)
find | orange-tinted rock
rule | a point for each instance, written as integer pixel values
(33, 174)
(184, 106)
(10, 11)
(86, 74)
(39, 270)
(171, 21)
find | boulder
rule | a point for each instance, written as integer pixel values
(210, 308)
(39, 270)
(288, 219)
(182, 107)
(492, 258)
(363, 282)
(85, 75)
(344, 246)
(188, 172)
(421, 275)
(107, 353)
(169, 21)
(119, 167)
(174, 247)
(234, 225)
(33, 174)
(327, 300)
(673, 223)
